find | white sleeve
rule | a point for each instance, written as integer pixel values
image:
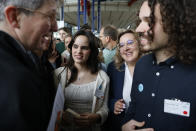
(58, 106)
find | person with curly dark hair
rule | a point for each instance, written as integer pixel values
(83, 87)
(163, 91)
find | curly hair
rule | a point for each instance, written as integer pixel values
(118, 61)
(93, 60)
(179, 22)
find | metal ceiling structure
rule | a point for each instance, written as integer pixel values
(117, 13)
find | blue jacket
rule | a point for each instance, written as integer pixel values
(115, 93)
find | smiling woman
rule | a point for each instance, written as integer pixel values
(83, 87)
(120, 72)
(80, 50)
(84, 52)
(128, 49)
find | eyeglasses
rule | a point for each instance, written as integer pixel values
(101, 36)
(129, 43)
(51, 16)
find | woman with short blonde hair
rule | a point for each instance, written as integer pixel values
(120, 72)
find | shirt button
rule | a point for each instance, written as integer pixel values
(157, 74)
(149, 115)
(153, 94)
(172, 67)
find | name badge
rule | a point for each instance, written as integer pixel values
(177, 107)
(99, 93)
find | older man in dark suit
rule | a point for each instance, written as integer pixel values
(24, 97)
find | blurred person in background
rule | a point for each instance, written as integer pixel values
(85, 27)
(63, 33)
(45, 59)
(108, 36)
(65, 56)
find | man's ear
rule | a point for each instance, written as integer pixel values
(107, 38)
(12, 16)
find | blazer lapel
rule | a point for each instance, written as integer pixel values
(121, 76)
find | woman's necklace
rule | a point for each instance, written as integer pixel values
(80, 77)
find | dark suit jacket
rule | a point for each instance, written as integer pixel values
(24, 98)
(115, 93)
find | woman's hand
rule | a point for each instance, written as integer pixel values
(87, 119)
(66, 119)
(119, 106)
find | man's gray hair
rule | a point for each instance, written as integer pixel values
(28, 4)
